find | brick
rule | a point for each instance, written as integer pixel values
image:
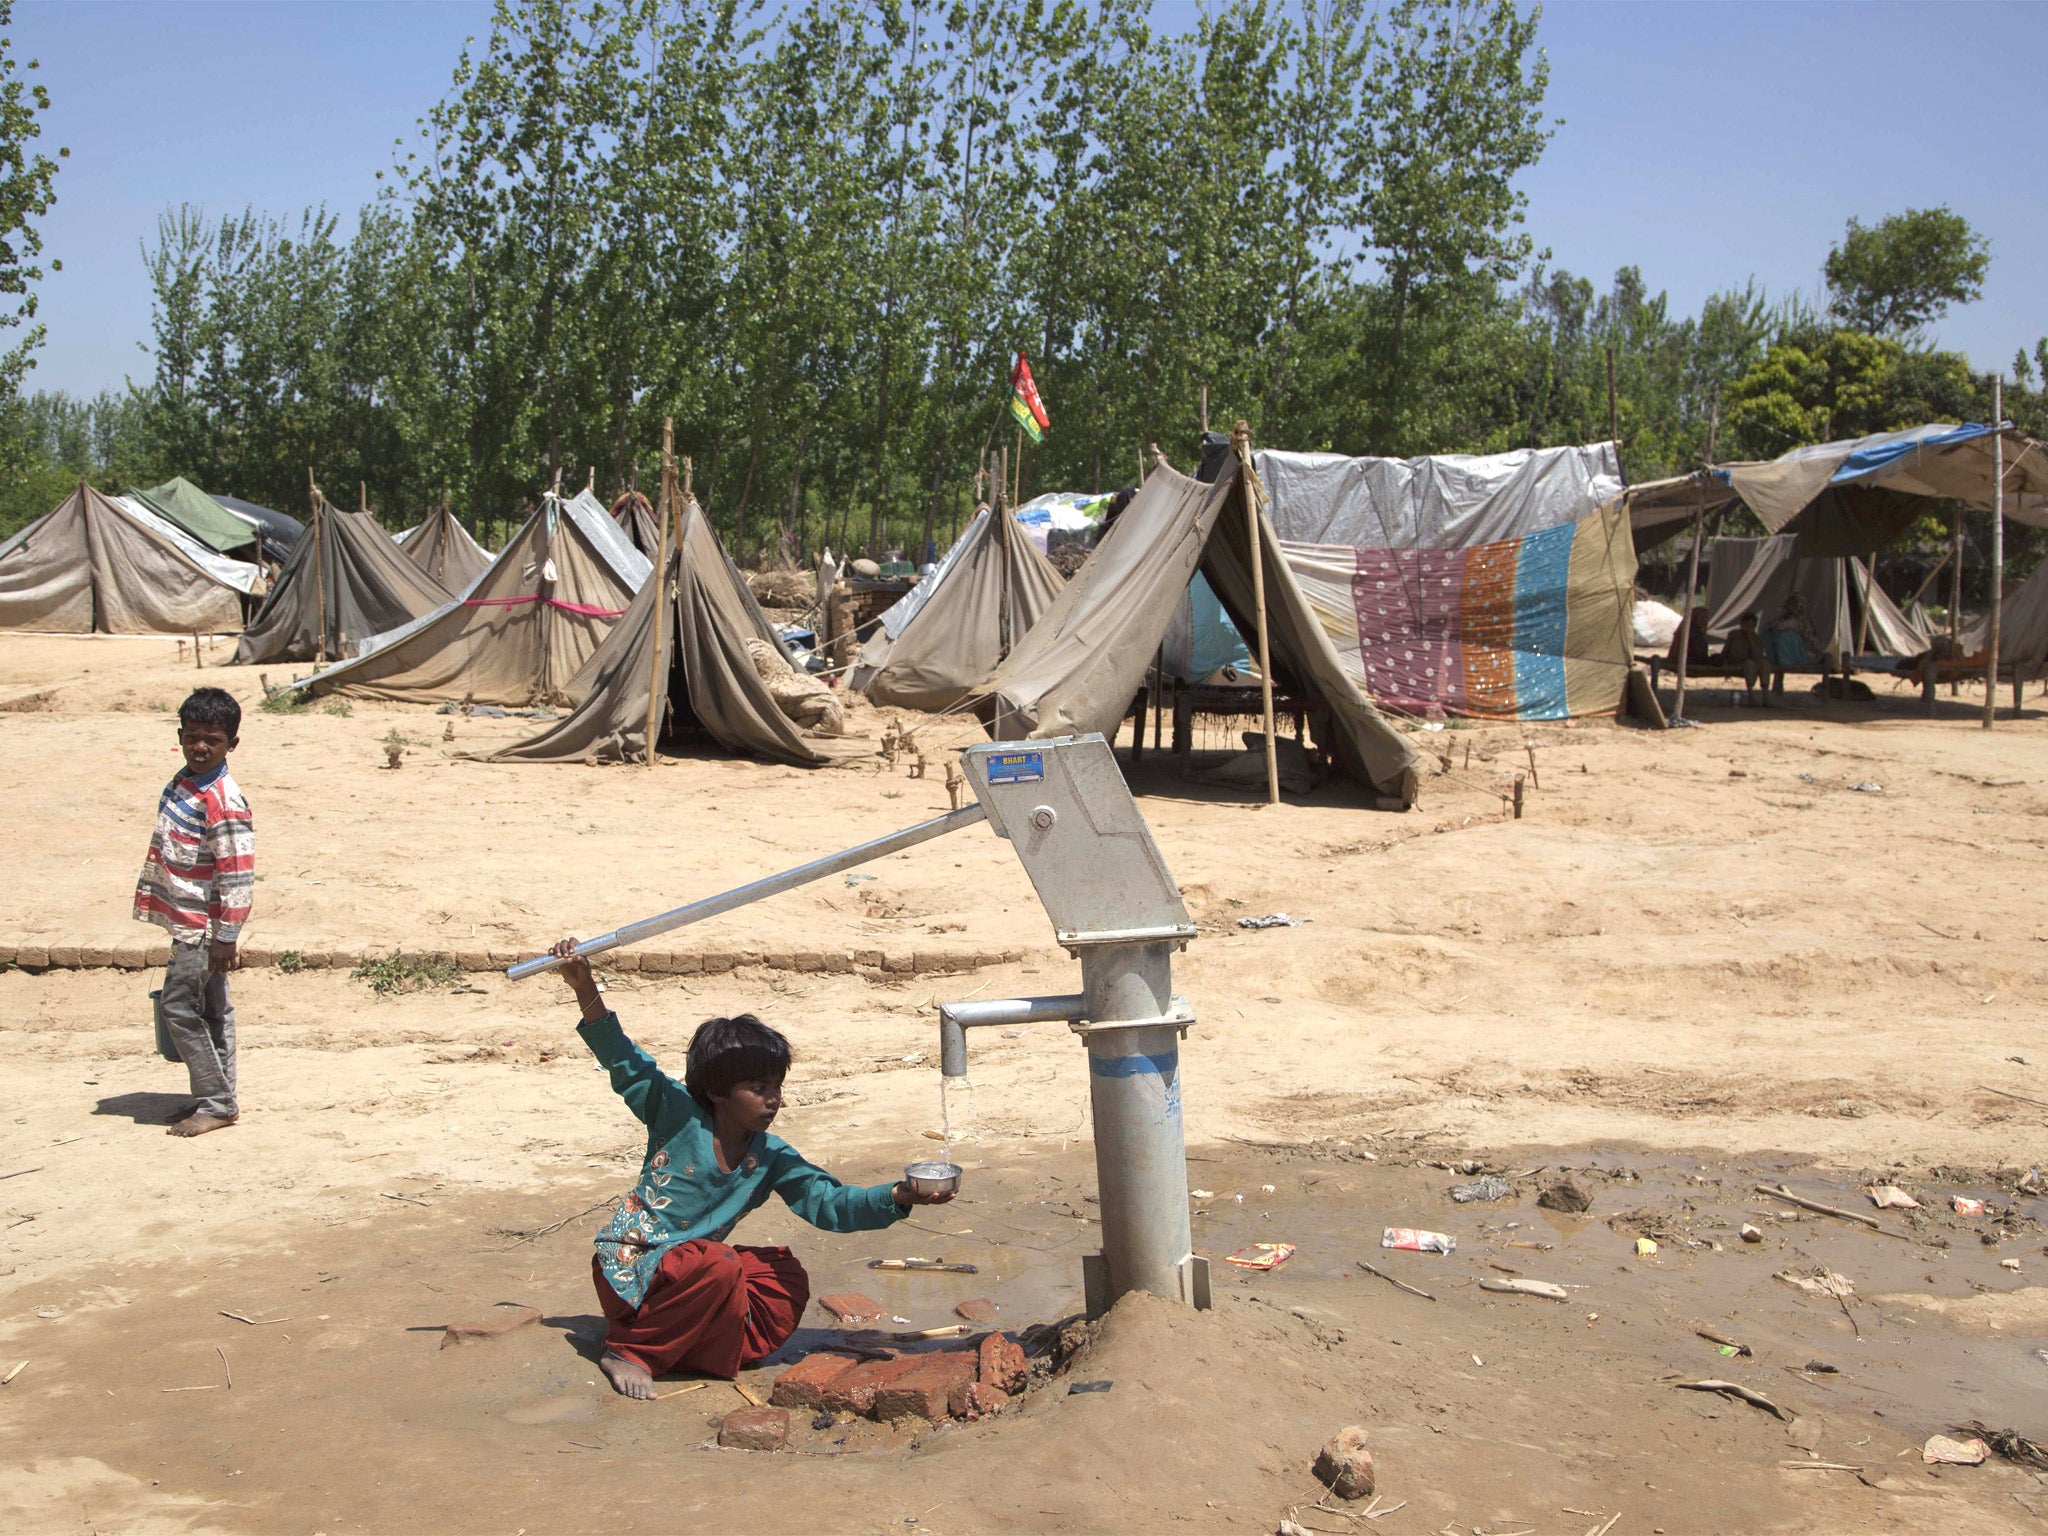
(899, 964)
(854, 1391)
(809, 960)
(839, 963)
(930, 962)
(750, 957)
(754, 1429)
(853, 1308)
(779, 959)
(252, 956)
(867, 959)
(803, 1384)
(96, 958)
(159, 953)
(716, 962)
(1002, 1363)
(979, 1310)
(314, 959)
(623, 960)
(474, 960)
(655, 963)
(64, 957)
(972, 1400)
(6, 954)
(35, 956)
(925, 1392)
(130, 957)
(691, 964)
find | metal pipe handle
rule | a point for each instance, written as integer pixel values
(770, 885)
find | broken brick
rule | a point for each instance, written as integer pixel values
(978, 1310)
(852, 1308)
(972, 1400)
(926, 1390)
(754, 1429)
(803, 1384)
(854, 1391)
(1002, 1363)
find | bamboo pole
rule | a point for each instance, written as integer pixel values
(668, 512)
(1869, 570)
(1692, 567)
(1997, 550)
(1242, 435)
(319, 571)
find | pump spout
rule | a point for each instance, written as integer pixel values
(955, 1019)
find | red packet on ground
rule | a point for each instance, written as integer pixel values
(1262, 1256)
(1414, 1240)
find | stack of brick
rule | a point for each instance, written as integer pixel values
(963, 1382)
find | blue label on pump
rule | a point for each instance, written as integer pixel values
(1016, 767)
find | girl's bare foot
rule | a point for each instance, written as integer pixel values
(627, 1378)
(196, 1124)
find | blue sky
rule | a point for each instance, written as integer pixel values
(1705, 143)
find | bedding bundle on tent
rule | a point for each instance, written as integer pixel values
(944, 637)
(101, 565)
(1496, 585)
(1080, 666)
(521, 632)
(443, 549)
(347, 574)
(697, 658)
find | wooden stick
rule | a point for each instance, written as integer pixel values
(39, 1167)
(13, 1373)
(1603, 1530)
(1822, 1466)
(748, 1393)
(1737, 1345)
(319, 570)
(1398, 1285)
(255, 1322)
(1992, 636)
(669, 510)
(695, 1386)
(1779, 1192)
(1254, 493)
(1981, 1088)
(1733, 1389)
(224, 1364)
(211, 1386)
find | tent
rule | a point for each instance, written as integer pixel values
(1492, 585)
(708, 682)
(523, 629)
(947, 634)
(442, 548)
(278, 531)
(344, 582)
(2022, 625)
(97, 566)
(1857, 495)
(1757, 575)
(636, 517)
(1080, 666)
(212, 524)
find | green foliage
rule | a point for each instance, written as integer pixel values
(338, 707)
(402, 973)
(291, 962)
(1901, 274)
(284, 701)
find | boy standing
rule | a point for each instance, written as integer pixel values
(197, 884)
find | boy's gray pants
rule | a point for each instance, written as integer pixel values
(195, 1024)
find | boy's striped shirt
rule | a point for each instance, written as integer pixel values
(199, 880)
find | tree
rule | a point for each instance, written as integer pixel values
(1901, 275)
(27, 190)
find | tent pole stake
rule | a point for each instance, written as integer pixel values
(1997, 552)
(668, 513)
(1243, 436)
(319, 571)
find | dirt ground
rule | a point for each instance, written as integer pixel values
(1795, 946)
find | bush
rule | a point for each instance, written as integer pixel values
(407, 973)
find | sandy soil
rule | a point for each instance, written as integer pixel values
(1798, 944)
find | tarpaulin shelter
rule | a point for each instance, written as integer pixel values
(212, 524)
(2022, 625)
(98, 566)
(1493, 585)
(442, 548)
(278, 531)
(522, 631)
(345, 581)
(682, 644)
(1757, 575)
(949, 632)
(1082, 664)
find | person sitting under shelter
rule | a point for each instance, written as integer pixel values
(1744, 651)
(1689, 640)
(1789, 638)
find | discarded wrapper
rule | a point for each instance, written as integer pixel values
(1271, 920)
(1415, 1240)
(1955, 1453)
(1261, 1256)
(1488, 1189)
(1889, 1197)
(1965, 1206)
(1646, 1248)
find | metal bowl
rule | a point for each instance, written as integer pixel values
(932, 1178)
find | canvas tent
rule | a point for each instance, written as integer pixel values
(345, 581)
(1080, 666)
(946, 635)
(205, 519)
(1757, 575)
(1492, 585)
(277, 531)
(442, 548)
(96, 565)
(686, 635)
(521, 631)
(2022, 625)
(636, 517)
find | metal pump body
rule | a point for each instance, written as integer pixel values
(1064, 806)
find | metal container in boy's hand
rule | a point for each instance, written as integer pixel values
(932, 1178)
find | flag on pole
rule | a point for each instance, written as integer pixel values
(1024, 402)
